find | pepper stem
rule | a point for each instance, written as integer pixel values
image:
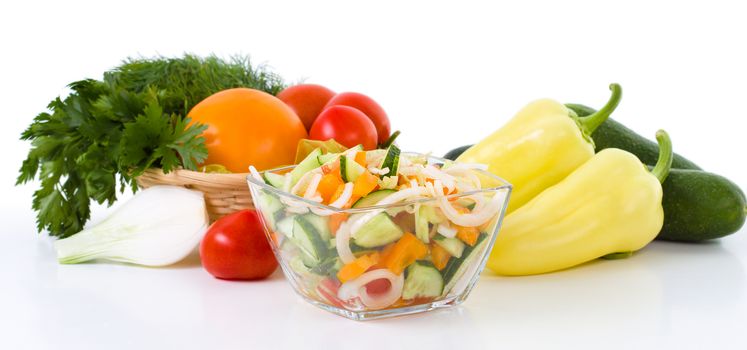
(664, 163)
(592, 122)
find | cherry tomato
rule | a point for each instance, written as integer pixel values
(347, 125)
(369, 107)
(307, 100)
(235, 248)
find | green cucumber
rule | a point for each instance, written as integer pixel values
(456, 268)
(699, 206)
(274, 180)
(321, 224)
(432, 215)
(422, 228)
(456, 152)
(391, 161)
(271, 208)
(612, 134)
(378, 231)
(453, 245)
(423, 281)
(324, 158)
(327, 267)
(285, 226)
(372, 198)
(350, 169)
(309, 163)
(309, 240)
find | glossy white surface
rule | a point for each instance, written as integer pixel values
(669, 294)
(447, 75)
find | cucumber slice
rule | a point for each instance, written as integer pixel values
(423, 281)
(378, 231)
(325, 158)
(453, 245)
(309, 241)
(391, 161)
(285, 227)
(422, 229)
(328, 267)
(274, 180)
(432, 215)
(321, 224)
(350, 169)
(372, 198)
(309, 163)
(455, 268)
(271, 208)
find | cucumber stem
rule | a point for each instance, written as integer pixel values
(664, 163)
(592, 122)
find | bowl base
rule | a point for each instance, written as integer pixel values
(386, 313)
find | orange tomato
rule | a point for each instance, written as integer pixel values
(248, 127)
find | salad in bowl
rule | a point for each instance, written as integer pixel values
(370, 234)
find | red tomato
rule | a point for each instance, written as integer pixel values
(347, 125)
(379, 286)
(369, 107)
(235, 248)
(307, 100)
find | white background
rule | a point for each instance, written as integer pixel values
(447, 73)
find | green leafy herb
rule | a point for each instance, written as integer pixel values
(107, 132)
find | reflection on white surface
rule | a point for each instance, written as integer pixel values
(669, 289)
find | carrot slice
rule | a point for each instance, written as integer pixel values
(328, 186)
(357, 267)
(468, 234)
(365, 183)
(439, 256)
(338, 193)
(335, 220)
(360, 158)
(408, 249)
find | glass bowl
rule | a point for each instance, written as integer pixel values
(309, 240)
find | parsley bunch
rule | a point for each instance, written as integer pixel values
(107, 132)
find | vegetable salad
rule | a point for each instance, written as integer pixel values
(370, 230)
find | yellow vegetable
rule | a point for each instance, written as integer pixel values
(609, 205)
(540, 146)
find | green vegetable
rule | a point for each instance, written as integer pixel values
(309, 163)
(453, 245)
(422, 227)
(350, 169)
(699, 206)
(391, 161)
(109, 131)
(612, 134)
(274, 180)
(456, 268)
(456, 152)
(157, 227)
(309, 239)
(423, 281)
(372, 198)
(378, 231)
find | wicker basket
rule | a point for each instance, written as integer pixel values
(224, 193)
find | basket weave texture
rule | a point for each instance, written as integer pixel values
(224, 193)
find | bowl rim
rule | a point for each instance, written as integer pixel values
(262, 184)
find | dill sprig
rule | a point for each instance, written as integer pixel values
(109, 131)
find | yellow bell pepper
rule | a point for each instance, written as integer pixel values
(540, 146)
(609, 205)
